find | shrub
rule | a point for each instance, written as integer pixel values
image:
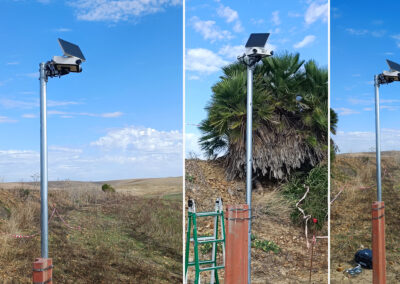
(107, 188)
(316, 202)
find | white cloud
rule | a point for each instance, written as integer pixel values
(142, 139)
(28, 93)
(62, 30)
(361, 32)
(51, 103)
(397, 38)
(194, 77)
(357, 32)
(12, 63)
(357, 101)
(306, 41)
(275, 18)
(5, 119)
(29, 115)
(65, 149)
(364, 141)
(31, 75)
(118, 10)
(231, 52)
(112, 114)
(203, 60)
(209, 30)
(10, 103)
(238, 27)
(257, 21)
(66, 114)
(231, 16)
(345, 111)
(192, 147)
(315, 12)
(121, 154)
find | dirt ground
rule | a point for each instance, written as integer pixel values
(205, 181)
(354, 175)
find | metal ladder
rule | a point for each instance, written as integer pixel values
(218, 215)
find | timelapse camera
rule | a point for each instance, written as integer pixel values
(255, 46)
(70, 62)
(255, 49)
(392, 75)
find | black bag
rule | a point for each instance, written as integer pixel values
(364, 258)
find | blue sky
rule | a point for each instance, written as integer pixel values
(121, 117)
(362, 38)
(216, 32)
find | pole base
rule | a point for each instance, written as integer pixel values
(236, 259)
(378, 243)
(43, 271)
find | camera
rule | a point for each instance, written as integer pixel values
(67, 64)
(258, 52)
(70, 62)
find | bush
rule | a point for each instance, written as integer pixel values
(316, 202)
(107, 188)
(264, 245)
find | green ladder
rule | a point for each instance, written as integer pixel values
(218, 215)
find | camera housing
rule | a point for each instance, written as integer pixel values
(70, 62)
(258, 52)
(390, 76)
(67, 64)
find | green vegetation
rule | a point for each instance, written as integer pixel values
(316, 202)
(107, 188)
(264, 245)
(290, 117)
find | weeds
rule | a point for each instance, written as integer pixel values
(316, 202)
(264, 245)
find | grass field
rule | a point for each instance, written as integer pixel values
(354, 176)
(131, 236)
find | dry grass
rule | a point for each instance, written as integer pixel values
(351, 212)
(125, 238)
(291, 264)
(273, 205)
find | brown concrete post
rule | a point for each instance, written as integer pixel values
(378, 243)
(237, 220)
(42, 271)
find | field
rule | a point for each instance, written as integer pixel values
(290, 262)
(354, 175)
(133, 235)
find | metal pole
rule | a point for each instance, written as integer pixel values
(249, 158)
(378, 142)
(43, 162)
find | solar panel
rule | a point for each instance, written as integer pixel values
(71, 49)
(393, 65)
(257, 40)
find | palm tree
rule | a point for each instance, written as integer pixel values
(290, 117)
